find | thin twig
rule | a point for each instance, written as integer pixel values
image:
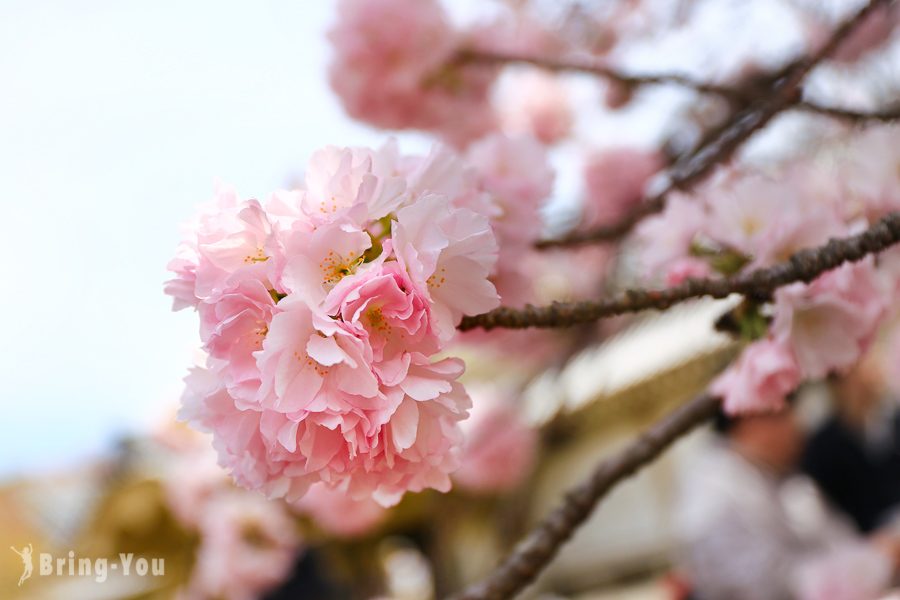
(598, 68)
(783, 93)
(886, 115)
(804, 266)
(735, 94)
(534, 552)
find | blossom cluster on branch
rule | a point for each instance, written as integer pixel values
(322, 311)
(742, 221)
(327, 312)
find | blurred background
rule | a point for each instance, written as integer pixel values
(117, 119)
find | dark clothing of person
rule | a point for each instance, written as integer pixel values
(860, 477)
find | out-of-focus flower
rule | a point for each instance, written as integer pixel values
(336, 513)
(248, 546)
(687, 267)
(190, 483)
(500, 447)
(614, 182)
(829, 323)
(393, 67)
(538, 105)
(760, 380)
(667, 237)
(751, 214)
(514, 171)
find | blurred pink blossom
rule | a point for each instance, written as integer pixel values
(539, 105)
(614, 182)
(338, 514)
(500, 447)
(392, 68)
(248, 546)
(760, 380)
(829, 323)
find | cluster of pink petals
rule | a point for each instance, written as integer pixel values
(615, 179)
(537, 104)
(760, 219)
(321, 312)
(760, 380)
(818, 328)
(830, 323)
(515, 172)
(500, 446)
(248, 546)
(337, 514)
(392, 67)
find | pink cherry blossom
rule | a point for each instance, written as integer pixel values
(391, 310)
(748, 213)
(191, 481)
(230, 239)
(320, 366)
(500, 447)
(233, 328)
(829, 323)
(668, 236)
(614, 182)
(516, 174)
(451, 253)
(336, 513)
(392, 67)
(760, 380)
(538, 104)
(248, 546)
(687, 267)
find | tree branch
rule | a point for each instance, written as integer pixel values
(783, 93)
(886, 115)
(735, 94)
(804, 266)
(534, 552)
(595, 67)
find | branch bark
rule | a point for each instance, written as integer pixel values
(804, 266)
(783, 93)
(734, 94)
(534, 552)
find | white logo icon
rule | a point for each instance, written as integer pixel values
(27, 566)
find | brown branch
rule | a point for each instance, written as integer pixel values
(595, 67)
(784, 92)
(886, 115)
(738, 95)
(804, 266)
(534, 552)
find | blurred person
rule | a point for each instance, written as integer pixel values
(750, 529)
(854, 457)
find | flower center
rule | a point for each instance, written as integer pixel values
(259, 256)
(335, 267)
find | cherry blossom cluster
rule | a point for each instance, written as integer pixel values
(397, 64)
(747, 220)
(321, 312)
